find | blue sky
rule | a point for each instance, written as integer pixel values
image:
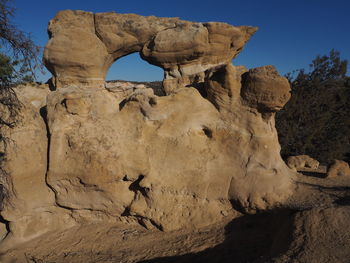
(291, 33)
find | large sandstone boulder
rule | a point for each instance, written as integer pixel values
(265, 89)
(117, 152)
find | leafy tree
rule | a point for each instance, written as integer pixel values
(328, 67)
(18, 61)
(316, 119)
(15, 42)
(10, 75)
(322, 68)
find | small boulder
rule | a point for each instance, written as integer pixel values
(338, 168)
(300, 162)
(263, 88)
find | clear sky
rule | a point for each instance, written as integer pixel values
(291, 33)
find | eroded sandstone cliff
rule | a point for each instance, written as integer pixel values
(89, 152)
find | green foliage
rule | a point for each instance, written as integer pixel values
(328, 67)
(10, 74)
(316, 119)
(18, 61)
(15, 42)
(17, 65)
(6, 69)
(322, 68)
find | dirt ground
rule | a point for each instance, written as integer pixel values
(313, 226)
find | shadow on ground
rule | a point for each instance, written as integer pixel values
(251, 238)
(315, 174)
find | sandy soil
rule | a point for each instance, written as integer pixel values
(312, 227)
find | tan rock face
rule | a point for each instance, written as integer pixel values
(67, 58)
(180, 47)
(30, 207)
(338, 168)
(264, 89)
(302, 161)
(118, 152)
(167, 162)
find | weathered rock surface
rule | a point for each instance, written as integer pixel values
(117, 152)
(312, 227)
(302, 161)
(263, 88)
(167, 162)
(183, 49)
(338, 168)
(30, 209)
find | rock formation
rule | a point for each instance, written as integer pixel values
(338, 168)
(29, 207)
(92, 152)
(183, 49)
(302, 161)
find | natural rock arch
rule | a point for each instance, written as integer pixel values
(125, 67)
(84, 45)
(108, 153)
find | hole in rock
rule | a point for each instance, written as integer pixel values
(152, 102)
(6, 223)
(208, 132)
(2, 195)
(122, 104)
(132, 68)
(200, 86)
